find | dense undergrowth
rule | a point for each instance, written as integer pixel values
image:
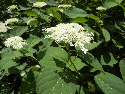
(36, 63)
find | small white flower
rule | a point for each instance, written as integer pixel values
(3, 27)
(12, 7)
(71, 33)
(15, 42)
(101, 8)
(32, 22)
(39, 4)
(11, 20)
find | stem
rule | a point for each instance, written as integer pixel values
(69, 57)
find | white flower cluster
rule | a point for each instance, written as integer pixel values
(64, 6)
(3, 27)
(71, 33)
(32, 22)
(11, 20)
(12, 7)
(15, 42)
(39, 4)
(101, 8)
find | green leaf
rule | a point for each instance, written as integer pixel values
(74, 12)
(50, 82)
(23, 7)
(93, 17)
(55, 14)
(18, 31)
(53, 8)
(106, 35)
(11, 55)
(108, 3)
(32, 41)
(6, 63)
(89, 58)
(80, 20)
(122, 68)
(118, 44)
(55, 56)
(109, 83)
(108, 59)
(77, 62)
(92, 45)
(57, 53)
(32, 1)
(45, 17)
(31, 13)
(51, 2)
(28, 84)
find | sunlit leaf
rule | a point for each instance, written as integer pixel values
(106, 35)
(109, 83)
(108, 59)
(74, 12)
(122, 68)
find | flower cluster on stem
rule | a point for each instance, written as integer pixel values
(3, 27)
(15, 42)
(71, 33)
(39, 4)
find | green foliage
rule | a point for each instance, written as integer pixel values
(110, 83)
(43, 66)
(73, 12)
(111, 3)
(122, 66)
(18, 31)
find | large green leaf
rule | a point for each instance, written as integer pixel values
(51, 2)
(110, 3)
(80, 20)
(50, 82)
(93, 17)
(92, 45)
(77, 62)
(58, 53)
(18, 31)
(5, 64)
(32, 41)
(108, 59)
(106, 35)
(31, 13)
(11, 55)
(54, 56)
(110, 84)
(74, 12)
(122, 68)
(89, 58)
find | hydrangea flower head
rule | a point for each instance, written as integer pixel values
(101, 8)
(11, 20)
(3, 27)
(15, 42)
(39, 4)
(71, 33)
(12, 7)
(32, 22)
